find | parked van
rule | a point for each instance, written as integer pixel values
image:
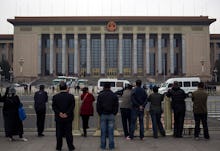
(188, 84)
(116, 85)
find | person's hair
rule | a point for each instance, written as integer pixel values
(175, 84)
(107, 85)
(41, 87)
(11, 90)
(138, 83)
(85, 89)
(63, 85)
(155, 89)
(201, 85)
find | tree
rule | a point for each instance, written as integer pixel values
(5, 69)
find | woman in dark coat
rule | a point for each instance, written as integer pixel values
(86, 109)
(12, 123)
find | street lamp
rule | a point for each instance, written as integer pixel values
(215, 74)
(21, 62)
(11, 74)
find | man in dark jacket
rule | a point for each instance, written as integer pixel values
(63, 105)
(138, 101)
(40, 100)
(178, 105)
(107, 107)
(199, 99)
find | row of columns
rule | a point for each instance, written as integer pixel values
(120, 63)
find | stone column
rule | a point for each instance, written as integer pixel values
(171, 55)
(102, 54)
(51, 54)
(63, 54)
(168, 116)
(183, 54)
(88, 56)
(134, 54)
(39, 54)
(76, 121)
(76, 54)
(159, 54)
(147, 54)
(120, 60)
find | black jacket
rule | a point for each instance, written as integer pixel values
(40, 99)
(178, 98)
(65, 103)
(138, 97)
(107, 103)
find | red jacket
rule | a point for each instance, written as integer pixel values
(87, 104)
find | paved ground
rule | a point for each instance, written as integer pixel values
(91, 143)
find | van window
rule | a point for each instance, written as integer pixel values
(112, 84)
(186, 84)
(119, 84)
(195, 83)
(170, 85)
(180, 84)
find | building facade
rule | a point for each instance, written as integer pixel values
(156, 47)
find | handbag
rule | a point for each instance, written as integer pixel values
(22, 113)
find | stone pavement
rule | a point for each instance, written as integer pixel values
(90, 143)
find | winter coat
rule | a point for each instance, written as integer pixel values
(87, 104)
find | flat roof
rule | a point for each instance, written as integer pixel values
(123, 20)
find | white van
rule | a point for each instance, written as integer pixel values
(116, 85)
(188, 84)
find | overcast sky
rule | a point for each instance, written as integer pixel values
(12, 8)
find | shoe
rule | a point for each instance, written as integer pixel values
(41, 135)
(11, 139)
(141, 138)
(128, 138)
(23, 139)
(197, 138)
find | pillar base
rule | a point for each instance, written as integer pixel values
(76, 132)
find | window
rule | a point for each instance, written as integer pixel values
(152, 43)
(119, 84)
(218, 45)
(111, 47)
(152, 63)
(83, 50)
(59, 63)
(164, 42)
(71, 43)
(95, 51)
(70, 63)
(180, 84)
(140, 51)
(186, 84)
(112, 84)
(127, 51)
(195, 83)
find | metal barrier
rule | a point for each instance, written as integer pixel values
(167, 118)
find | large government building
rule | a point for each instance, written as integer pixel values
(104, 46)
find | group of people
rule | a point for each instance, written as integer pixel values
(134, 101)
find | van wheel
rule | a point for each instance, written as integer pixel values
(189, 94)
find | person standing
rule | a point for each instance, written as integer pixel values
(63, 105)
(86, 109)
(138, 101)
(12, 123)
(125, 109)
(40, 100)
(199, 99)
(155, 100)
(178, 105)
(107, 107)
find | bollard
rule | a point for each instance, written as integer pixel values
(148, 132)
(167, 116)
(76, 121)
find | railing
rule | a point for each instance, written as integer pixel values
(167, 118)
